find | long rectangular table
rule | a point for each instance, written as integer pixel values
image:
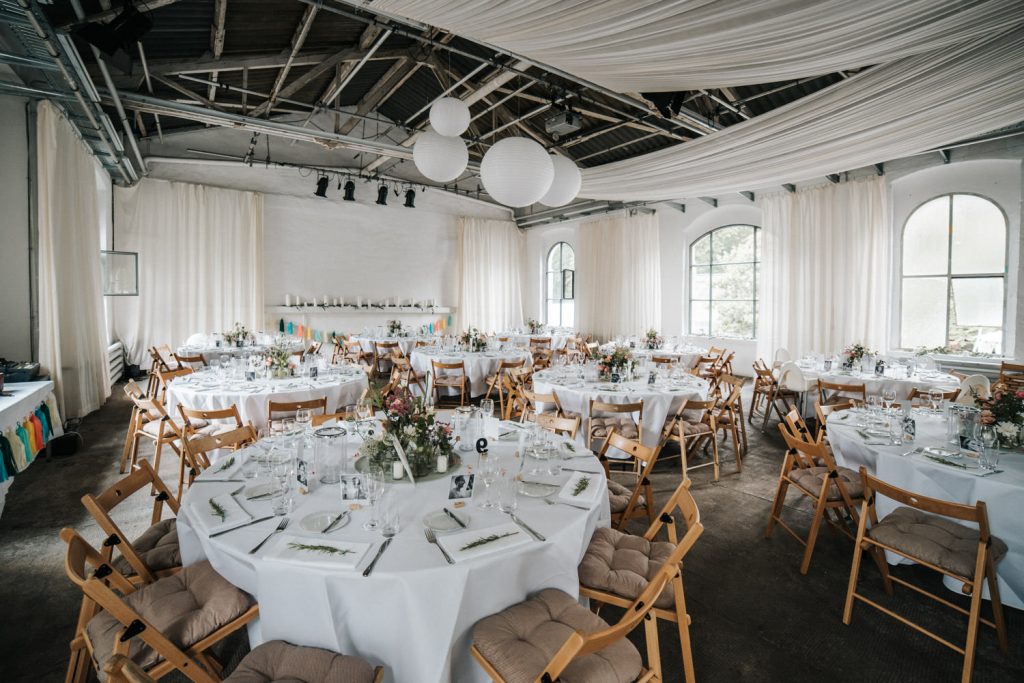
(24, 399)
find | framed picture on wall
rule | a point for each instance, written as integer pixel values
(120, 273)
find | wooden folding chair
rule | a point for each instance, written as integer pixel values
(165, 377)
(496, 381)
(822, 413)
(449, 376)
(910, 531)
(198, 448)
(161, 360)
(382, 352)
(152, 422)
(601, 574)
(729, 415)
(565, 426)
(196, 420)
(540, 343)
(187, 361)
(603, 417)
(314, 348)
(354, 353)
(764, 387)
(1011, 375)
(155, 552)
(340, 416)
(833, 392)
(291, 407)
(667, 362)
(916, 393)
(401, 367)
(109, 624)
(492, 636)
(625, 503)
(833, 489)
(133, 391)
(532, 401)
(692, 435)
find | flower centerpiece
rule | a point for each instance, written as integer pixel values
(473, 340)
(854, 353)
(534, 326)
(653, 339)
(395, 329)
(617, 361)
(407, 418)
(277, 361)
(1005, 410)
(237, 335)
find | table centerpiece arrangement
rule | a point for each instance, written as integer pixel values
(423, 439)
(616, 364)
(1004, 410)
(535, 326)
(395, 329)
(473, 340)
(238, 335)
(653, 340)
(277, 361)
(854, 354)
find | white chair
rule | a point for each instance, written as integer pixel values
(781, 357)
(198, 339)
(974, 385)
(791, 382)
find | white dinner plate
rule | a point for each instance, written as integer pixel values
(439, 521)
(318, 521)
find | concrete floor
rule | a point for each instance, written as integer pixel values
(755, 618)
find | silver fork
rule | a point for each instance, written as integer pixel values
(280, 527)
(432, 538)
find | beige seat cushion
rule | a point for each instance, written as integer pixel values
(281, 662)
(186, 607)
(623, 426)
(934, 539)
(519, 642)
(153, 427)
(618, 497)
(812, 477)
(622, 564)
(157, 546)
(694, 428)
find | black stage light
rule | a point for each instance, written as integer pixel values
(350, 192)
(410, 198)
(321, 186)
(382, 195)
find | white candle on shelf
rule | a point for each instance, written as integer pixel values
(298, 300)
(341, 301)
(287, 299)
(397, 471)
(359, 301)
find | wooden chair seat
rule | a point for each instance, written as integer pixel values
(934, 539)
(600, 427)
(694, 428)
(157, 547)
(618, 498)
(621, 563)
(812, 478)
(280, 661)
(520, 641)
(153, 428)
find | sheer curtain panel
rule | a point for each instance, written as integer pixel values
(619, 262)
(491, 254)
(200, 262)
(72, 328)
(826, 266)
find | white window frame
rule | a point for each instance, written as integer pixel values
(690, 265)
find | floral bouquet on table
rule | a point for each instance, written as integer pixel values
(653, 339)
(277, 360)
(407, 418)
(617, 361)
(1005, 410)
(237, 335)
(854, 353)
(534, 326)
(395, 329)
(473, 340)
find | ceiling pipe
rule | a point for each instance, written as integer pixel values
(27, 62)
(326, 102)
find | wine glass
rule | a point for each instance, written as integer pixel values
(303, 417)
(375, 484)
(283, 470)
(488, 472)
(935, 396)
(487, 407)
(888, 398)
(363, 409)
(986, 435)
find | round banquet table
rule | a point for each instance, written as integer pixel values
(875, 385)
(1003, 492)
(661, 399)
(558, 339)
(415, 613)
(406, 344)
(479, 364)
(207, 346)
(207, 391)
(686, 358)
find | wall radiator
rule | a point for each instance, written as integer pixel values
(115, 362)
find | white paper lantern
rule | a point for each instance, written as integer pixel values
(566, 184)
(449, 116)
(516, 171)
(440, 157)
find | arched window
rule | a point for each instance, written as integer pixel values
(724, 267)
(560, 286)
(954, 275)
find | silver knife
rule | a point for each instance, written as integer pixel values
(452, 515)
(236, 528)
(380, 551)
(525, 527)
(337, 519)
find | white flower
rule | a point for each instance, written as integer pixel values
(1007, 429)
(410, 430)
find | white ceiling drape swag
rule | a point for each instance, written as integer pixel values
(619, 267)
(491, 257)
(826, 268)
(72, 326)
(891, 111)
(200, 262)
(668, 45)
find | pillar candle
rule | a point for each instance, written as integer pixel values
(287, 299)
(397, 471)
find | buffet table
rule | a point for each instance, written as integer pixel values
(24, 401)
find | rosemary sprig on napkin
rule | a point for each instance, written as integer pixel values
(322, 549)
(227, 465)
(487, 539)
(581, 486)
(218, 510)
(945, 461)
(570, 447)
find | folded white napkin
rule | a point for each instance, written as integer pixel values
(219, 513)
(587, 494)
(508, 535)
(224, 468)
(318, 552)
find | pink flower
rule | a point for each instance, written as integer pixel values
(1020, 394)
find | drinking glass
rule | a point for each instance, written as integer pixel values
(935, 396)
(283, 468)
(390, 518)
(888, 398)
(986, 434)
(374, 479)
(250, 463)
(363, 409)
(487, 407)
(508, 493)
(303, 417)
(873, 403)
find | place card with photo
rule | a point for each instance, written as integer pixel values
(461, 486)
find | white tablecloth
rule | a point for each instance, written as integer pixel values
(415, 613)
(479, 365)
(202, 392)
(686, 358)
(1003, 493)
(210, 350)
(25, 398)
(558, 340)
(660, 400)
(875, 385)
(407, 344)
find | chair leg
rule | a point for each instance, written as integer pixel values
(997, 604)
(126, 453)
(972, 631)
(683, 624)
(851, 587)
(768, 409)
(653, 648)
(777, 503)
(742, 424)
(714, 455)
(812, 538)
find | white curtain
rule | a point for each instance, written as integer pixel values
(668, 45)
(619, 270)
(200, 262)
(72, 328)
(491, 256)
(826, 268)
(890, 111)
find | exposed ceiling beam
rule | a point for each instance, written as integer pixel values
(217, 35)
(711, 201)
(748, 195)
(339, 84)
(396, 74)
(725, 103)
(730, 95)
(298, 39)
(111, 12)
(186, 91)
(790, 187)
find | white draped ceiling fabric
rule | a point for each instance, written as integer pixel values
(826, 268)
(890, 111)
(200, 262)
(669, 45)
(619, 262)
(491, 257)
(72, 328)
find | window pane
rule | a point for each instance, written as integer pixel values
(568, 314)
(554, 310)
(976, 315)
(926, 239)
(979, 235)
(555, 285)
(555, 257)
(733, 244)
(569, 284)
(700, 252)
(924, 312)
(700, 282)
(700, 317)
(732, 318)
(568, 257)
(732, 282)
